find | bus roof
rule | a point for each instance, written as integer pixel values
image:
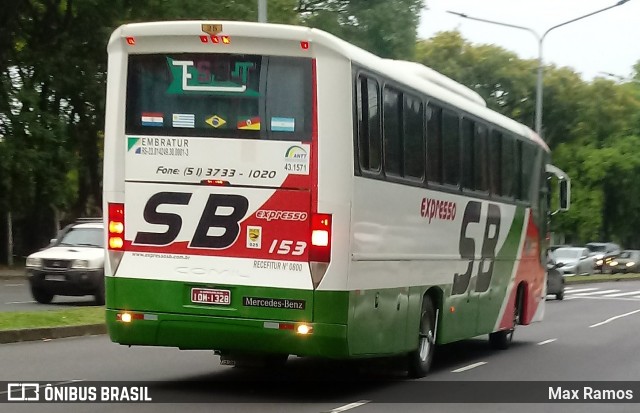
(412, 74)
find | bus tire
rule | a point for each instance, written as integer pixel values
(501, 340)
(419, 360)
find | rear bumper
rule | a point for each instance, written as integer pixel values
(75, 282)
(195, 332)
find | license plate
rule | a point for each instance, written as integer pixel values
(55, 277)
(210, 296)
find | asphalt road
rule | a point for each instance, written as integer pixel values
(16, 296)
(589, 337)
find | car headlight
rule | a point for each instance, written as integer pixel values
(613, 263)
(33, 262)
(630, 264)
(79, 264)
(599, 262)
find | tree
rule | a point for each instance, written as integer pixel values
(367, 23)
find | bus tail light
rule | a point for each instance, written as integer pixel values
(115, 237)
(320, 251)
(320, 238)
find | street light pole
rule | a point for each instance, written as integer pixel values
(262, 11)
(540, 39)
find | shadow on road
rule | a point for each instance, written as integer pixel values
(307, 380)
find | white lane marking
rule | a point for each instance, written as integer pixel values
(13, 285)
(604, 298)
(622, 294)
(608, 320)
(596, 293)
(551, 340)
(349, 406)
(20, 302)
(469, 367)
(60, 383)
(579, 290)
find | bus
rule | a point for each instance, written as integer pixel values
(274, 191)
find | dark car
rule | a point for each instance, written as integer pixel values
(626, 261)
(603, 252)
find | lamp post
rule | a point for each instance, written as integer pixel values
(262, 11)
(540, 39)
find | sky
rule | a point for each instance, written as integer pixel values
(605, 42)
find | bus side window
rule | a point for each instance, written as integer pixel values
(392, 132)
(495, 162)
(529, 157)
(481, 151)
(508, 171)
(434, 143)
(468, 158)
(368, 123)
(413, 137)
(451, 147)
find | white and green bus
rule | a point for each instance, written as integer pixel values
(272, 190)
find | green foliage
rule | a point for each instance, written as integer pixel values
(367, 23)
(504, 81)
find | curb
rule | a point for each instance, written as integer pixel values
(35, 334)
(13, 276)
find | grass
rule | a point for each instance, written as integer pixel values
(580, 279)
(53, 318)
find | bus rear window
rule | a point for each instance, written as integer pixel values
(219, 95)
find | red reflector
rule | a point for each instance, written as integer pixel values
(131, 41)
(204, 39)
(214, 182)
(286, 326)
(134, 316)
(304, 45)
(215, 39)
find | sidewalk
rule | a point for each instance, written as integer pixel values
(11, 273)
(45, 333)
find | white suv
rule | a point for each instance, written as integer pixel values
(73, 264)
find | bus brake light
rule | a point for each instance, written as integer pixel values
(214, 182)
(320, 238)
(115, 226)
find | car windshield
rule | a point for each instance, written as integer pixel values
(626, 254)
(597, 248)
(83, 237)
(566, 253)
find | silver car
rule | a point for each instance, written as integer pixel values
(575, 261)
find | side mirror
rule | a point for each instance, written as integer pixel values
(52, 240)
(565, 194)
(563, 188)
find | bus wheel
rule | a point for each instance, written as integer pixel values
(500, 340)
(420, 359)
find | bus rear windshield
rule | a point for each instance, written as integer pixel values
(219, 95)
